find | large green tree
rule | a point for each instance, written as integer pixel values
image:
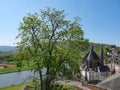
(48, 40)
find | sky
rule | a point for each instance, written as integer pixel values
(100, 19)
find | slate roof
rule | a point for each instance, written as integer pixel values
(91, 55)
(103, 68)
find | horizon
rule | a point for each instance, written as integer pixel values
(90, 42)
(99, 18)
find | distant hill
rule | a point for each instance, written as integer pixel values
(11, 49)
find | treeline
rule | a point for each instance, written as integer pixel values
(106, 47)
(7, 54)
(7, 57)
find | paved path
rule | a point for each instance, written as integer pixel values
(74, 83)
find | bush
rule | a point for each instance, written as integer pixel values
(5, 66)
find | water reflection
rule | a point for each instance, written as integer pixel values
(16, 78)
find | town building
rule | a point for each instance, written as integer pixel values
(93, 67)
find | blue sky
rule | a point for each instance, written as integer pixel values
(100, 19)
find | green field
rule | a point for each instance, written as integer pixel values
(11, 69)
(14, 68)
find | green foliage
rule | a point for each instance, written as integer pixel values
(22, 86)
(11, 69)
(64, 87)
(107, 49)
(7, 57)
(68, 87)
(7, 70)
(16, 87)
(48, 40)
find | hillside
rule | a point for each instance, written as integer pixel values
(97, 46)
(11, 49)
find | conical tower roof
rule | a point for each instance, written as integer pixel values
(91, 55)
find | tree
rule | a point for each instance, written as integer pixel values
(7, 57)
(48, 40)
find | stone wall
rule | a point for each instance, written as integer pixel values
(111, 83)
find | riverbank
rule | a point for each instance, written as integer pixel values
(72, 83)
(11, 69)
(17, 87)
(22, 86)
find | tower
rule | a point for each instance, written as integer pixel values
(91, 59)
(102, 55)
(94, 66)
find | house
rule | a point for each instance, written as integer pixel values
(93, 67)
(3, 65)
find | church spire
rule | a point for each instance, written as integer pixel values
(102, 54)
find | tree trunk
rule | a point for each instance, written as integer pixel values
(48, 80)
(47, 83)
(41, 80)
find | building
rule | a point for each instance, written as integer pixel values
(93, 67)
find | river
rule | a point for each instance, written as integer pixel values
(16, 78)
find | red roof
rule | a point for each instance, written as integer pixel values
(7, 65)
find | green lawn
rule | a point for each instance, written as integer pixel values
(16, 87)
(11, 69)
(7, 70)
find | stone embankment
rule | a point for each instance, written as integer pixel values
(74, 83)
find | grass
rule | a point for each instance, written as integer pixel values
(92, 87)
(8, 70)
(65, 87)
(16, 87)
(11, 69)
(69, 87)
(14, 68)
(22, 86)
